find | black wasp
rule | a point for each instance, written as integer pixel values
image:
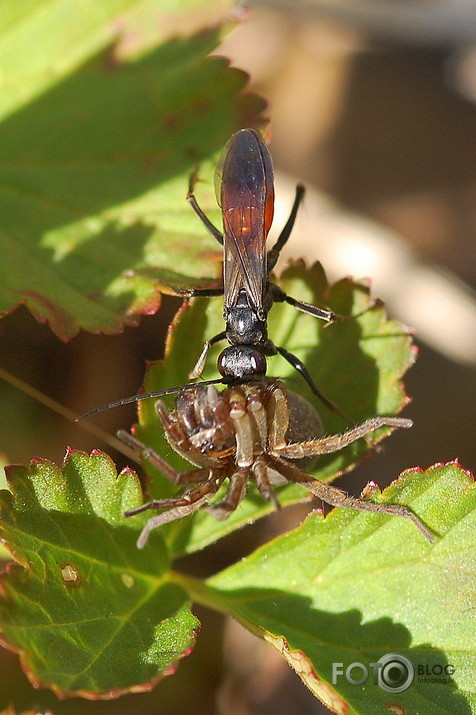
(245, 193)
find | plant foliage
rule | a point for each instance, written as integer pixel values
(103, 123)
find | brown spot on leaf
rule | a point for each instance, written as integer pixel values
(396, 708)
(171, 122)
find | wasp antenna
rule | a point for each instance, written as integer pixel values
(147, 395)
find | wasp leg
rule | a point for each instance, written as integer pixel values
(273, 254)
(201, 215)
(301, 368)
(200, 364)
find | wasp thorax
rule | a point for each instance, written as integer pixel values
(245, 324)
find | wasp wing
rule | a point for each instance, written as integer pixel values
(246, 198)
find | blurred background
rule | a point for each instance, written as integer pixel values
(372, 106)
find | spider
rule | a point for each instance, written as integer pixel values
(257, 432)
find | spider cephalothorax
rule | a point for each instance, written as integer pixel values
(256, 432)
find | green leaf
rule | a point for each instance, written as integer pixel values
(97, 145)
(355, 586)
(87, 611)
(357, 363)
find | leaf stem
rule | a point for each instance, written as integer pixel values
(203, 594)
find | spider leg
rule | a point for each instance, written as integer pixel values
(177, 507)
(336, 497)
(244, 434)
(335, 442)
(278, 418)
(236, 492)
(194, 477)
(186, 499)
(260, 473)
